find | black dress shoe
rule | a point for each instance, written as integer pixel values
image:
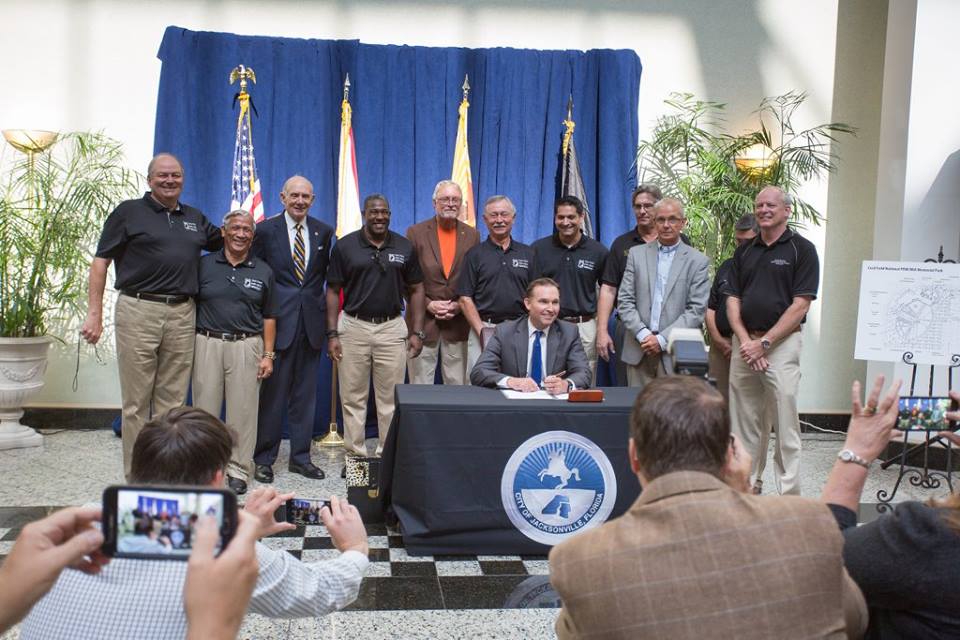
(343, 472)
(308, 470)
(237, 485)
(264, 473)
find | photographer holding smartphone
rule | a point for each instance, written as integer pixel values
(189, 447)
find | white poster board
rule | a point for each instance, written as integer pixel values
(909, 307)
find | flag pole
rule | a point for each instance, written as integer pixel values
(334, 439)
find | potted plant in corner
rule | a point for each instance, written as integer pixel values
(53, 201)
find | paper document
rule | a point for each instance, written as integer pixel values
(531, 395)
(909, 307)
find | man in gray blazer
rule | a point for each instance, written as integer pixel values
(665, 286)
(536, 350)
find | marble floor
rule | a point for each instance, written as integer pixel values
(402, 596)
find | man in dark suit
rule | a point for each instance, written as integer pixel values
(297, 248)
(536, 350)
(441, 243)
(697, 551)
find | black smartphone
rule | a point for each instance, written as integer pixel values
(919, 413)
(159, 523)
(301, 511)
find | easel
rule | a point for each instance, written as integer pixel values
(921, 477)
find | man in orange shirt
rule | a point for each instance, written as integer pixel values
(441, 243)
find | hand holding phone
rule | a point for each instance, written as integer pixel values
(302, 511)
(159, 523)
(264, 504)
(921, 413)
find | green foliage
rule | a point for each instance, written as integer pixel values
(691, 158)
(51, 212)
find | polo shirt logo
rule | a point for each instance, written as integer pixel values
(780, 262)
(253, 283)
(189, 226)
(521, 263)
(399, 258)
(588, 265)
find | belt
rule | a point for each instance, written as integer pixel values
(578, 319)
(498, 319)
(756, 335)
(374, 319)
(228, 337)
(157, 297)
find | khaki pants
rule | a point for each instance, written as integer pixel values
(222, 368)
(453, 363)
(638, 375)
(474, 349)
(154, 356)
(588, 338)
(367, 347)
(776, 387)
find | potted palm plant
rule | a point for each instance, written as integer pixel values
(53, 201)
(717, 174)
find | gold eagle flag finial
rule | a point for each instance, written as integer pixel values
(243, 74)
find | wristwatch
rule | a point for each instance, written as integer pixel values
(765, 344)
(420, 334)
(849, 456)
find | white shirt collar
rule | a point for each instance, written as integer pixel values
(531, 329)
(291, 223)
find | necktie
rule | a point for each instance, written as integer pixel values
(299, 255)
(536, 359)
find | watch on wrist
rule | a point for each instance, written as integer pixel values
(420, 334)
(270, 355)
(765, 343)
(849, 456)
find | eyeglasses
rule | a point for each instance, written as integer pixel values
(379, 261)
(672, 221)
(498, 214)
(450, 200)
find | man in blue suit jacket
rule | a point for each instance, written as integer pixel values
(297, 248)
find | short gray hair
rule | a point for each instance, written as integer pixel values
(236, 213)
(669, 202)
(499, 198)
(786, 197)
(446, 183)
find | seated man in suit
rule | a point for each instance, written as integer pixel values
(536, 350)
(697, 554)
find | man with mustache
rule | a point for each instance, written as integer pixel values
(495, 276)
(441, 243)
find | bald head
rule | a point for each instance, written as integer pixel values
(166, 159)
(297, 196)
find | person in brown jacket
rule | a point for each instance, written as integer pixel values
(698, 555)
(441, 243)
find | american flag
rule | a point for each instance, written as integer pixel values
(246, 186)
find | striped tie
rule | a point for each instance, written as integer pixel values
(299, 255)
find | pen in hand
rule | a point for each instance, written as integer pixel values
(558, 374)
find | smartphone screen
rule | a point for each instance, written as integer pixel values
(160, 523)
(304, 511)
(924, 413)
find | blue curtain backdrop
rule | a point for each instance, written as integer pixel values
(405, 120)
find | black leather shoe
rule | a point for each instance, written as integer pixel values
(308, 470)
(343, 472)
(237, 485)
(264, 473)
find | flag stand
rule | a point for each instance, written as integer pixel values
(332, 439)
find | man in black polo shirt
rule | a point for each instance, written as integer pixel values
(374, 267)
(156, 242)
(236, 328)
(575, 262)
(495, 276)
(772, 282)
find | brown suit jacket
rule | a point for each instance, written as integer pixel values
(694, 559)
(437, 286)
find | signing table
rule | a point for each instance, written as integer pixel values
(445, 456)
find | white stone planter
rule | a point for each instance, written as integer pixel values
(23, 361)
